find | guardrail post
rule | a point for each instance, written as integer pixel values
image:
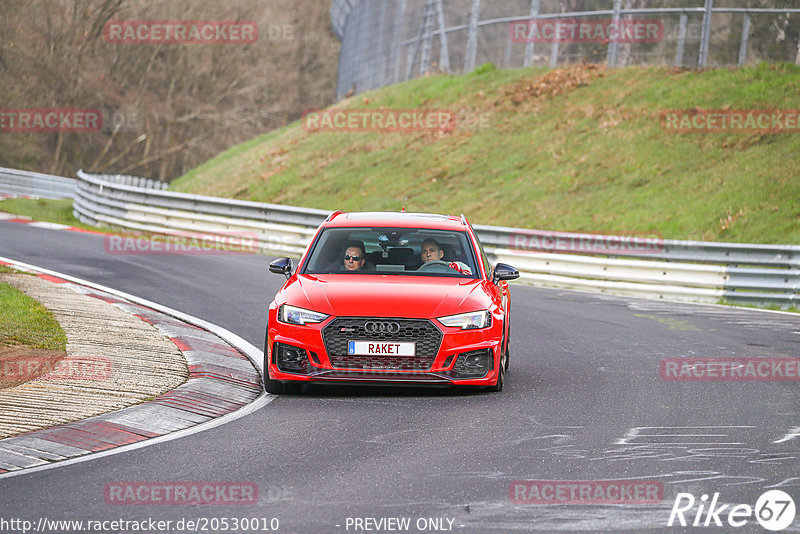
(613, 46)
(797, 55)
(472, 40)
(554, 54)
(358, 48)
(444, 50)
(745, 38)
(380, 80)
(702, 60)
(427, 37)
(507, 55)
(681, 40)
(529, 47)
(410, 54)
(398, 25)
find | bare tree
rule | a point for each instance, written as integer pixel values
(191, 100)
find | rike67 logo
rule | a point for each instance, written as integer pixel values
(774, 510)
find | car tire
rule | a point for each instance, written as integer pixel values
(273, 386)
(501, 374)
(508, 347)
(508, 333)
(276, 387)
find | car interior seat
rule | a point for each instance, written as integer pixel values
(449, 253)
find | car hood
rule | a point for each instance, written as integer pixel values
(385, 295)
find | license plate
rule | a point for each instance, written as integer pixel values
(380, 348)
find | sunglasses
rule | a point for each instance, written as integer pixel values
(348, 257)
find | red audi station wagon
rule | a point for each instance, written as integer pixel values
(389, 299)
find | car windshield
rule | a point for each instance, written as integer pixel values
(393, 251)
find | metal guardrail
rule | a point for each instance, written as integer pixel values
(644, 267)
(733, 254)
(129, 179)
(18, 183)
(280, 229)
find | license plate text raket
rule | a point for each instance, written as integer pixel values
(380, 348)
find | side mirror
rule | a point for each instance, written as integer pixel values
(504, 272)
(281, 266)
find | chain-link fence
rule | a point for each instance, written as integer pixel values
(389, 41)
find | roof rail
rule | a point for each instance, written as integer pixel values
(334, 214)
(464, 220)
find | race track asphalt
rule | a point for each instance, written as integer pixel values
(583, 400)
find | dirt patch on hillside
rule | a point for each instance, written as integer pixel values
(552, 83)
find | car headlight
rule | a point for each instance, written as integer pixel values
(468, 321)
(295, 315)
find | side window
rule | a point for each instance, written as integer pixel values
(485, 261)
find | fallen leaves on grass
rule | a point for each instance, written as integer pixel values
(552, 83)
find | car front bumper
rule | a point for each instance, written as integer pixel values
(447, 366)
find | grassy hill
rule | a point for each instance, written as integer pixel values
(575, 149)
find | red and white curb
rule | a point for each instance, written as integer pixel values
(224, 384)
(8, 217)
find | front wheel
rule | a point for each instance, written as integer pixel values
(501, 374)
(276, 387)
(508, 347)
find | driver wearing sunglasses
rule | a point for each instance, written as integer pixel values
(354, 257)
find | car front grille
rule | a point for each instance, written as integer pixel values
(342, 330)
(394, 363)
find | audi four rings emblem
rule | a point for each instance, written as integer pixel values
(381, 327)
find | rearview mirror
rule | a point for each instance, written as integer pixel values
(503, 271)
(281, 266)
